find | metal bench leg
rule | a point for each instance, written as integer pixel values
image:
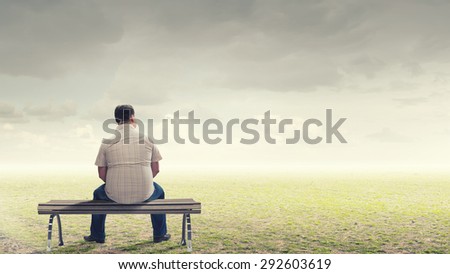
(189, 233)
(50, 229)
(61, 242)
(183, 230)
(49, 235)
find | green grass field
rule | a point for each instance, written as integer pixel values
(243, 213)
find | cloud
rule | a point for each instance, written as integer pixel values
(47, 39)
(84, 132)
(24, 139)
(8, 127)
(386, 135)
(9, 113)
(51, 111)
(413, 101)
(139, 87)
(244, 45)
(282, 45)
(240, 45)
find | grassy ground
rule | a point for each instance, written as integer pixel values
(328, 213)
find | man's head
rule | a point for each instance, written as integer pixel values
(124, 114)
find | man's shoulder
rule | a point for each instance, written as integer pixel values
(144, 139)
(110, 140)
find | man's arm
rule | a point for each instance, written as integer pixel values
(102, 170)
(155, 168)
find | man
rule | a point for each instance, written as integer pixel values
(127, 164)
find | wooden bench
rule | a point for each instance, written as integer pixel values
(166, 206)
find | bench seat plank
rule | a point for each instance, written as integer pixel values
(121, 207)
(107, 207)
(67, 212)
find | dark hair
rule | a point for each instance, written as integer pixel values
(122, 113)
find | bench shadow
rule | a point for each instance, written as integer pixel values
(148, 246)
(73, 248)
(142, 247)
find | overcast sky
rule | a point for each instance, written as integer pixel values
(383, 65)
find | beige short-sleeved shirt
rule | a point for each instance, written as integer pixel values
(129, 178)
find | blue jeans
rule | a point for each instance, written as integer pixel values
(98, 220)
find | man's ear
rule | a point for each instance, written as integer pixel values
(132, 119)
